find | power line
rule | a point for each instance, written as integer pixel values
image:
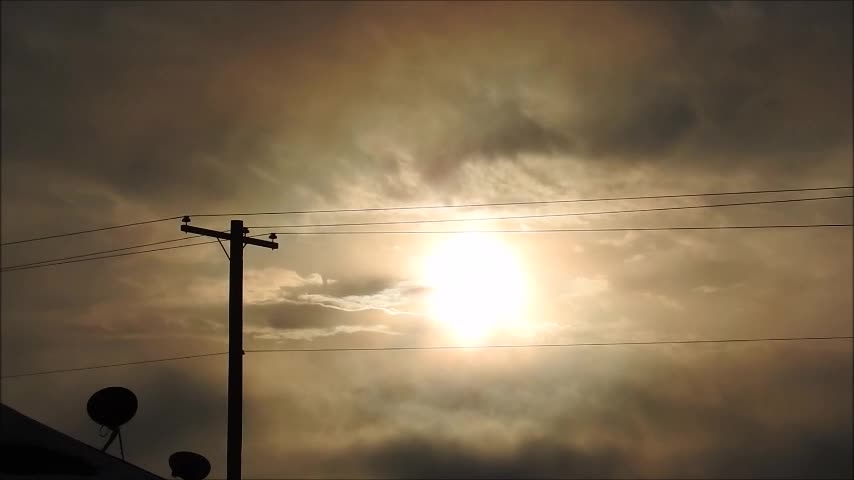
(546, 215)
(534, 202)
(18, 268)
(549, 345)
(182, 239)
(80, 232)
(446, 347)
(139, 362)
(404, 222)
(563, 230)
(462, 205)
(62, 261)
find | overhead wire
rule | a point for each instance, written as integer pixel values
(550, 215)
(531, 202)
(63, 261)
(28, 267)
(142, 245)
(109, 365)
(551, 345)
(80, 232)
(447, 347)
(92, 255)
(461, 205)
(563, 230)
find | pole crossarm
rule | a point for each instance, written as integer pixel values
(227, 236)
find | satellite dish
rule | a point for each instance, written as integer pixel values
(112, 407)
(189, 466)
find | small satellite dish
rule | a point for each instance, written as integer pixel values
(189, 466)
(112, 407)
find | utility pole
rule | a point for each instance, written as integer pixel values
(237, 237)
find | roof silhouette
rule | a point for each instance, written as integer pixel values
(32, 450)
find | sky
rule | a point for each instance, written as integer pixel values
(123, 112)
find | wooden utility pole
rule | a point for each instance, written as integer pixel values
(237, 237)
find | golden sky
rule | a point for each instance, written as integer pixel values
(119, 112)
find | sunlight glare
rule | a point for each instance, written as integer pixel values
(476, 284)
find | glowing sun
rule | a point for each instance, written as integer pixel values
(476, 285)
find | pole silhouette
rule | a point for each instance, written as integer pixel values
(235, 352)
(237, 237)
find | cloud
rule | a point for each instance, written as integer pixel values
(306, 311)
(688, 87)
(278, 334)
(388, 299)
(420, 457)
(582, 287)
(611, 419)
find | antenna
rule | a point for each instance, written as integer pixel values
(189, 466)
(112, 407)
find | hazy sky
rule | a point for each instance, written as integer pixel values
(122, 112)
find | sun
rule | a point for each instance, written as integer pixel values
(476, 285)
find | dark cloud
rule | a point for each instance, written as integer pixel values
(137, 101)
(414, 457)
(170, 101)
(181, 410)
(300, 316)
(818, 454)
(501, 130)
(327, 304)
(607, 417)
(353, 285)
